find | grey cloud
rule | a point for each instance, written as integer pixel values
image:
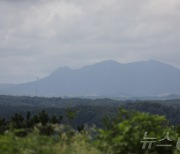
(38, 36)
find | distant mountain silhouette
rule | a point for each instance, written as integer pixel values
(107, 78)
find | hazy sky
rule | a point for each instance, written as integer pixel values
(38, 36)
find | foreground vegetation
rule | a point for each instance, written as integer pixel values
(122, 134)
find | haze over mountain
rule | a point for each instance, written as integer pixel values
(107, 78)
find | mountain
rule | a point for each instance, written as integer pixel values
(107, 78)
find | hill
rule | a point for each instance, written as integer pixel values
(88, 111)
(108, 79)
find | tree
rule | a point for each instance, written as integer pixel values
(43, 117)
(125, 132)
(54, 120)
(3, 125)
(28, 121)
(17, 121)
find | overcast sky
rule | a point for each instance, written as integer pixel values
(38, 36)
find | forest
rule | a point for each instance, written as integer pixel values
(34, 125)
(89, 111)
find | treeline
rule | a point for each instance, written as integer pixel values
(89, 111)
(27, 123)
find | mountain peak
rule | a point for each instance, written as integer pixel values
(108, 62)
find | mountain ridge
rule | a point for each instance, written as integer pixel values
(108, 78)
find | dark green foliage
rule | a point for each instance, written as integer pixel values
(17, 121)
(46, 129)
(41, 121)
(80, 128)
(28, 116)
(54, 120)
(178, 129)
(70, 114)
(35, 119)
(120, 131)
(3, 125)
(60, 119)
(28, 121)
(43, 117)
(89, 111)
